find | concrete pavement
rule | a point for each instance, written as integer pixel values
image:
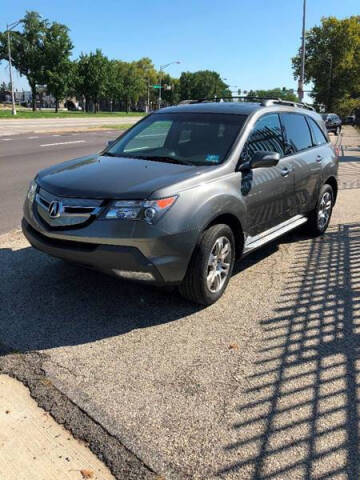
(15, 126)
(262, 385)
(33, 446)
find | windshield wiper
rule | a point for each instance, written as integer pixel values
(109, 154)
(159, 158)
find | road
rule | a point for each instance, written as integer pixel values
(22, 156)
(16, 126)
(262, 385)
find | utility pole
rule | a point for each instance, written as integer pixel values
(13, 107)
(329, 105)
(148, 96)
(302, 71)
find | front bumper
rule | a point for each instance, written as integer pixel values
(129, 249)
(126, 262)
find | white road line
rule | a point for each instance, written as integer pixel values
(6, 139)
(31, 138)
(56, 135)
(61, 143)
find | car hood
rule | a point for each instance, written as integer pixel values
(97, 176)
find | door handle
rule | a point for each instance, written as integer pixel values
(319, 158)
(285, 172)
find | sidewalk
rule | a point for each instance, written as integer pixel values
(34, 447)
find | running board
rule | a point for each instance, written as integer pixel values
(252, 243)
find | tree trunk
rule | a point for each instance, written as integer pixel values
(56, 105)
(33, 96)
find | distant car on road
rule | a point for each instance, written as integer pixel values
(333, 122)
(187, 191)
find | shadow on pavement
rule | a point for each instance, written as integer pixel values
(46, 303)
(301, 414)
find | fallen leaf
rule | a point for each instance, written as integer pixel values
(7, 412)
(87, 473)
(233, 346)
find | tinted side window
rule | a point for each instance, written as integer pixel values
(316, 132)
(297, 133)
(266, 136)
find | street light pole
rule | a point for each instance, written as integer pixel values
(9, 27)
(162, 68)
(302, 71)
(13, 107)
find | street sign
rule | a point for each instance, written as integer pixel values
(156, 86)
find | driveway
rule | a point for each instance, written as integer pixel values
(262, 385)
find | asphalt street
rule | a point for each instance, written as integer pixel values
(262, 385)
(22, 156)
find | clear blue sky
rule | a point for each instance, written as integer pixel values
(250, 43)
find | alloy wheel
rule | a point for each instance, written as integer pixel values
(324, 210)
(219, 264)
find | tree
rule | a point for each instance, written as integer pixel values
(57, 47)
(27, 50)
(332, 60)
(283, 93)
(90, 77)
(202, 84)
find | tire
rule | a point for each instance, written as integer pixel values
(318, 223)
(206, 268)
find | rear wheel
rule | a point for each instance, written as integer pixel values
(319, 218)
(211, 266)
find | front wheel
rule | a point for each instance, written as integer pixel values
(210, 267)
(319, 218)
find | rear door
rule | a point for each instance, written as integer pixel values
(305, 159)
(267, 191)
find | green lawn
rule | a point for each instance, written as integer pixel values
(52, 114)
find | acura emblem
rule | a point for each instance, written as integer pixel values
(55, 209)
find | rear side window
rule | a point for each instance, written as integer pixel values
(316, 132)
(297, 132)
(266, 136)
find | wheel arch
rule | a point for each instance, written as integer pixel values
(234, 223)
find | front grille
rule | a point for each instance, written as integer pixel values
(69, 211)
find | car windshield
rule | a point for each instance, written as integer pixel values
(184, 138)
(324, 116)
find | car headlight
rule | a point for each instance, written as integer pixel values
(146, 210)
(32, 191)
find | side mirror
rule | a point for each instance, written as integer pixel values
(261, 160)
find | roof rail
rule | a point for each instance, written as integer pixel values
(264, 101)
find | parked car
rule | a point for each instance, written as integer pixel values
(187, 191)
(350, 120)
(333, 122)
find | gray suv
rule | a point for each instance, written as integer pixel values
(186, 192)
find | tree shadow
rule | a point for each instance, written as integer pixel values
(300, 419)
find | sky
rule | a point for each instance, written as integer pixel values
(249, 42)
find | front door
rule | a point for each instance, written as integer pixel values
(268, 192)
